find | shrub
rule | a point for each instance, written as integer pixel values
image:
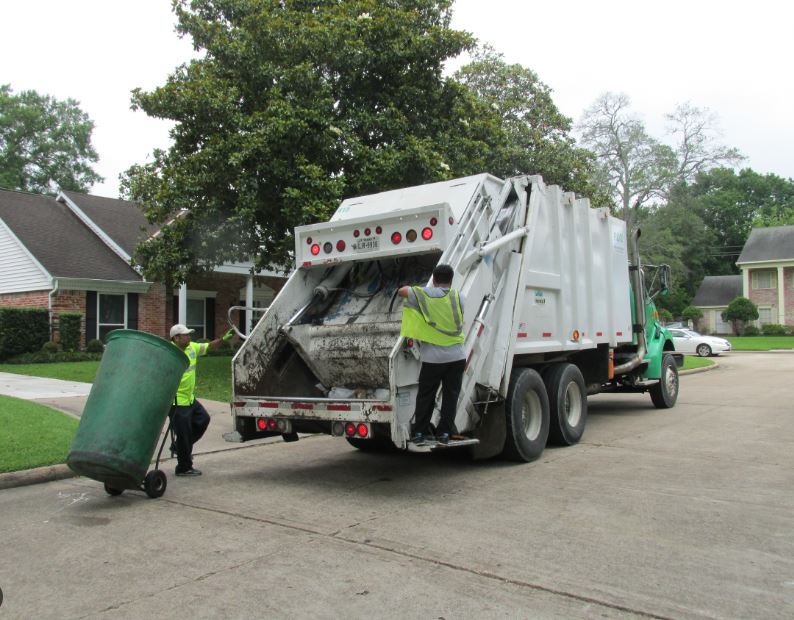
(665, 315)
(95, 346)
(23, 330)
(773, 329)
(751, 330)
(69, 327)
(739, 311)
(49, 347)
(40, 357)
(691, 313)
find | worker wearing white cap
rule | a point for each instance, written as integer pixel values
(189, 419)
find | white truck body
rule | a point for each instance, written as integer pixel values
(542, 274)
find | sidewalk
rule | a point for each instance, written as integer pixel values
(70, 397)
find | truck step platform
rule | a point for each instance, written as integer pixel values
(431, 445)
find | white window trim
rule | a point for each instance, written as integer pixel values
(98, 315)
(754, 276)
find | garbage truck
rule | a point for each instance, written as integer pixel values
(556, 303)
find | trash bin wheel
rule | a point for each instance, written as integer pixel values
(113, 490)
(154, 483)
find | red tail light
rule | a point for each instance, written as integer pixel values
(315, 249)
(396, 238)
(362, 430)
(409, 342)
(338, 407)
(340, 246)
(261, 424)
(427, 234)
(350, 429)
(269, 405)
(272, 424)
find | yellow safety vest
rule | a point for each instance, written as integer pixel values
(438, 320)
(186, 393)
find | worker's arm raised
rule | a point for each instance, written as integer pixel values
(229, 336)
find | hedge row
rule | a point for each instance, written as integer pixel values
(69, 327)
(23, 330)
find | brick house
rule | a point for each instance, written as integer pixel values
(72, 254)
(767, 265)
(713, 297)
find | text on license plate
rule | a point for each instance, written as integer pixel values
(367, 243)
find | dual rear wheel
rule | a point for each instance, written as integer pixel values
(551, 407)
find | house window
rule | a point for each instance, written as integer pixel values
(763, 279)
(111, 313)
(765, 316)
(195, 317)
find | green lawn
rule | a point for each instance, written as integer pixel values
(213, 381)
(760, 343)
(692, 361)
(32, 435)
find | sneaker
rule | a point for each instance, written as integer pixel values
(443, 438)
(418, 439)
(188, 472)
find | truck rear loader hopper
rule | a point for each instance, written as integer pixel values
(555, 308)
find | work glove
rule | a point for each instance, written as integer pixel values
(228, 335)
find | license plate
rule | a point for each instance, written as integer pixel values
(367, 243)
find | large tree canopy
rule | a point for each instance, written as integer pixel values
(637, 168)
(45, 144)
(293, 106)
(537, 136)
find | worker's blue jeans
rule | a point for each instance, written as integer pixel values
(450, 376)
(189, 423)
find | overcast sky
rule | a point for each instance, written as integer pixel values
(732, 57)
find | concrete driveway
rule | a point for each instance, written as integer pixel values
(681, 513)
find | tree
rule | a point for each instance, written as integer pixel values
(636, 167)
(732, 204)
(294, 106)
(537, 135)
(739, 311)
(45, 144)
(691, 313)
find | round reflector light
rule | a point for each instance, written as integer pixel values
(362, 430)
(272, 424)
(409, 342)
(451, 221)
(356, 233)
(433, 221)
(396, 238)
(410, 235)
(261, 424)
(378, 230)
(427, 233)
(350, 429)
(308, 240)
(315, 249)
(340, 246)
(328, 247)
(367, 232)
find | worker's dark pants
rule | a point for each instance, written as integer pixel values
(450, 376)
(189, 423)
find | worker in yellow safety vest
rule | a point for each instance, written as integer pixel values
(189, 418)
(433, 315)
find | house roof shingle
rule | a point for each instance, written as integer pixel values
(718, 291)
(59, 240)
(121, 220)
(773, 243)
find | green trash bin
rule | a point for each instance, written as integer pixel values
(125, 412)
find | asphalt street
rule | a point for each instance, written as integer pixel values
(681, 513)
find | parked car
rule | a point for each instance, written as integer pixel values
(687, 341)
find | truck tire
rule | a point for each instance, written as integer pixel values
(567, 403)
(664, 394)
(526, 416)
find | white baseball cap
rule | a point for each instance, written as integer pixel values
(180, 329)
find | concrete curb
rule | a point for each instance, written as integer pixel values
(694, 371)
(25, 477)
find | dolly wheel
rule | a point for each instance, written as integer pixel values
(154, 483)
(112, 490)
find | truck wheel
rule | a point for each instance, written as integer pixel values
(665, 392)
(526, 415)
(372, 445)
(567, 403)
(703, 350)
